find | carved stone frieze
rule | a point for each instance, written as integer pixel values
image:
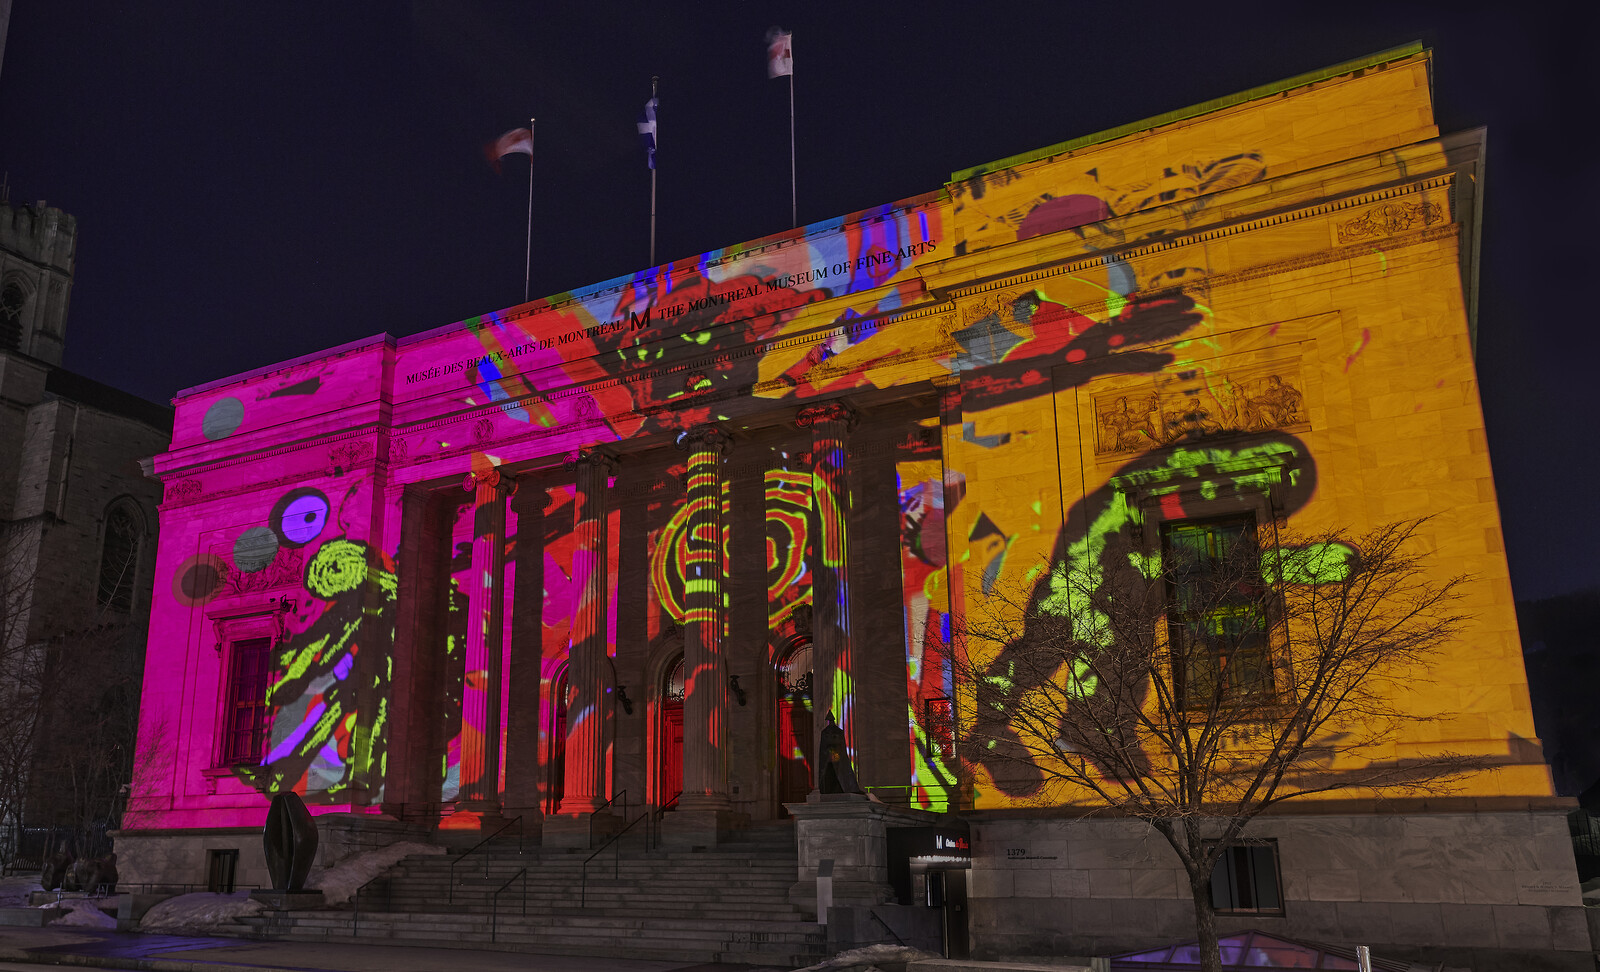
(346, 456)
(286, 569)
(1175, 408)
(1389, 219)
(182, 490)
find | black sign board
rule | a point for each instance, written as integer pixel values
(945, 847)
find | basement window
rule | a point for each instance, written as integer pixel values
(1246, 880)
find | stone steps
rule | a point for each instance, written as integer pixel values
(727, 903)
(625, 936)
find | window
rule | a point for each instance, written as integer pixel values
(119, 559)
(245, 734)
(12, 299)
(1246, 880)
(1216, 618)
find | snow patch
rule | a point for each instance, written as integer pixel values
(83, 913)
(339, 882)
(14, 891)
(870, 957)
(199, 913)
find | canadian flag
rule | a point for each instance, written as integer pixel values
(780, 56)
(518, 140)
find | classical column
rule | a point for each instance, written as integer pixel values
(705, 702)
(588, 668)
(412, 763)
(480, 695)
(524, 747)
(833, 674)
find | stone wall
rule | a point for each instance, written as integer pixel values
(1489, 890)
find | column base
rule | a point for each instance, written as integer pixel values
(689, 827)
(572, 831)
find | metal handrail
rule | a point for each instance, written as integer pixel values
(494, 903)
(623, 796)
(498, 831)
(355, 901)
(652, 834)
(616, 869)
(879, 918)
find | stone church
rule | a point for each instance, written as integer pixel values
(77, 548)
(634, 548)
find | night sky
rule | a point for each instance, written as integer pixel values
(259, 180)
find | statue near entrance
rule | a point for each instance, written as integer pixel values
(836, 774)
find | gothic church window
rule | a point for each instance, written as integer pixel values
(12, 299)
(119, 559)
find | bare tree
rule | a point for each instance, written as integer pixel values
(1201, 684)
(69, 698)
(22, 682)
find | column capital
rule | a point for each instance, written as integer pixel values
(491, 478)
(837, 410)
(705, 438)
(595, 458)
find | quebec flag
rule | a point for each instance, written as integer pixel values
(647, 131)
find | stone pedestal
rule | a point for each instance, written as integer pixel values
(572, 830)
(850, 830)
(287, 900)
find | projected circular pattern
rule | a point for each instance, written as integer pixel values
(198, 579)
(254, 549)
(300, 516)
(788, 502)
(222, 418)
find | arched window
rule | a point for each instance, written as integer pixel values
(12, 299)
(119, 558)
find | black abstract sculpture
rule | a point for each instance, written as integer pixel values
(56, 874)
(837, 775)
(290, 838)
(96, 874)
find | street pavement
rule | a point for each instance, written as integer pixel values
(33, 948)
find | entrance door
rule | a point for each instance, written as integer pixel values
(670, 737)
(556, 755)
(794, 725)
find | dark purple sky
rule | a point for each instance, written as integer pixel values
(255, 181)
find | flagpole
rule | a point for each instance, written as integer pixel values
(527, 275)
(794, 208)
(656, 137)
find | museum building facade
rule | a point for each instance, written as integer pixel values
(634, 546)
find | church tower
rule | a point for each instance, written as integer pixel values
(38, 247)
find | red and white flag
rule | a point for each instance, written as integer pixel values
(780, 55)
(518, 140)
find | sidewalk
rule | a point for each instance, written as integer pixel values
(178, 953)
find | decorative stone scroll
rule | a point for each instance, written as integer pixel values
(1175, 409)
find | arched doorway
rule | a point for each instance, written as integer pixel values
(556, 754)
(794, 723)
(669, 773)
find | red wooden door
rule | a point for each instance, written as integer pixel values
(794, 725)
(671, 751)
(556, 758)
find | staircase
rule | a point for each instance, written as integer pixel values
(728, 903)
